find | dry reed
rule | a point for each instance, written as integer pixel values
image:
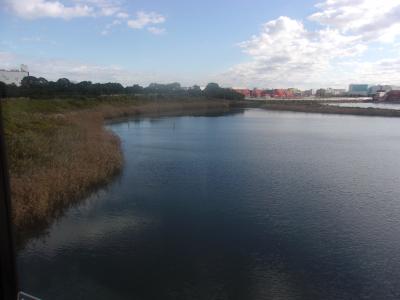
(57, 158)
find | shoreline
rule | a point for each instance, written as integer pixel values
(321, 108)
(82, 155)
(74, 154)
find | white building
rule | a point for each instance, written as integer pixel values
(375, 88)
(339, 92)
(14, 76)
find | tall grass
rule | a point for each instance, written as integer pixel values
(59, 150)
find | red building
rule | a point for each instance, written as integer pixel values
(257, 93)
(281, 93)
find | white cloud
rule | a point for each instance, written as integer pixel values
(105, 8)
(156, 30)
(144, 19)
(286, 54)
(109, 11)
(53, 69)
(122, 15)
(33, 9)
(372, 19)
(109, 26)
(387, 70)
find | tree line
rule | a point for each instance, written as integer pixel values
(34, 87)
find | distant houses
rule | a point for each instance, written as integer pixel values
(378, 92)
(265, 94)
(290, 93)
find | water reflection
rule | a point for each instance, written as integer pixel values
(249, 206)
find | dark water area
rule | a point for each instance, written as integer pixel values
(257, 205)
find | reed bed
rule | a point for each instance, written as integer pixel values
(59, 150)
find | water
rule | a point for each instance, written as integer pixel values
(395, 106)
(259, 205)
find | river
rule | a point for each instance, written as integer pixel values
(253, 205)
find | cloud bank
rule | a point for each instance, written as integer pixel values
(286, 54)
(53, 69)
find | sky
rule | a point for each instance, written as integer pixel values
(236, 43)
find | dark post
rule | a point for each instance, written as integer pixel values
(8, 273)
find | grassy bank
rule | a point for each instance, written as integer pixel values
(317, 107)
(59, 150)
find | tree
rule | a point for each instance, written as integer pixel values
(213, 90)
(13, 91)
(135, 89)
(165, 89)
(195, 91)
(83, 87)
(29, 81)
(3, 90)
(34, 87)
(63, 87)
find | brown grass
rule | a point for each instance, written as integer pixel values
(75, 158)
(58, 156)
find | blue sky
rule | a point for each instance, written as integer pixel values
(236, 43)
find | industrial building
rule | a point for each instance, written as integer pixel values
(14, 76)
(358, 90)
(379, 88)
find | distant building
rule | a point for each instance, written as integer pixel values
(254, 93)
(391, 96)
(379, 88)
(339, 92)
(379, 95)
(14, 76)
(308, 93)
(244, 92)
(294, 92)
(257, 93)
(321, 93)
(358, 89)
(282, 93)
(329, 92)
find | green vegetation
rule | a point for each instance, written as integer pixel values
(41, 88)
(213, 90)
(59, 150)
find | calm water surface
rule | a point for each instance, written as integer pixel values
(258, 205)
(388, 105)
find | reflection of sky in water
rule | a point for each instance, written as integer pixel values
(86, 226)
(251, 206)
